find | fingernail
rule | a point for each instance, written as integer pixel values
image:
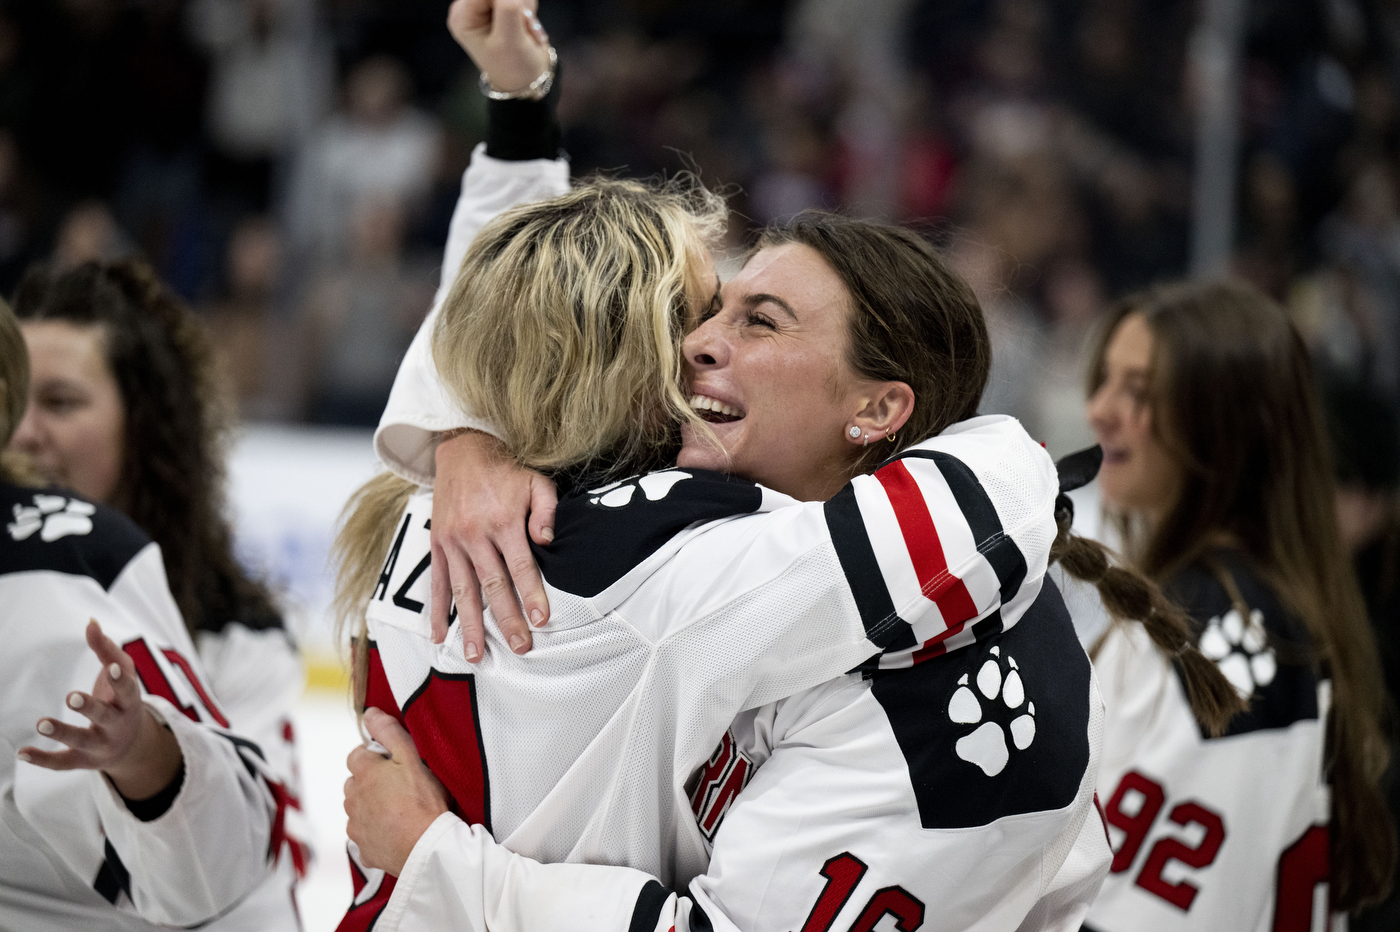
(517, 643)
(114, 670)
(548, 535)
(537, 618)
(472, 653)
(24, 757)
(75, 701)
(45, 727)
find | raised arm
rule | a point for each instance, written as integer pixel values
(422, 429)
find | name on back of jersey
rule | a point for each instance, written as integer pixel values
(401, 594)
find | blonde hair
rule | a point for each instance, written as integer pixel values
(563, 326)
(14, 389)
(563, 330)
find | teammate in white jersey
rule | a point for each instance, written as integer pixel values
(1203, 401)
(127, 411)
(886, 532)
(175, 829)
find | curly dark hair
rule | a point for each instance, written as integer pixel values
(178, 417)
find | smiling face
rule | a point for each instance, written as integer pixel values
(769, 372)
(1139, 473)
(73, 428)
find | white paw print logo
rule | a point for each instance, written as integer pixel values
(1241, 650)
(655, 486)
(53, 516)
(1006, 694)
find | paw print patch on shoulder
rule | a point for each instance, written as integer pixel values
(52, 516)
(1241, 650)
(994, 699)
(655, 486)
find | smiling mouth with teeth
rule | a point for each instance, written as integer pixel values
(713, 410)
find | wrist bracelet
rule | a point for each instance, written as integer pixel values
(535, 90)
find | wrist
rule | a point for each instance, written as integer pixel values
(524, 130)
(537, 89)
(150, 764)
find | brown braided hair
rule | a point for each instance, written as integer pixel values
(178, 417)
(1130, 596)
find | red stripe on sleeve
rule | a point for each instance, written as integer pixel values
(925, 549)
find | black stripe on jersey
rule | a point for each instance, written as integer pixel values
(601, 535)
(113, 879)
(883, 626)
(648, 910)
(100, 552)
(988, 627)
(243, 744)
(699, 920)
(951, 788)
(976, 505)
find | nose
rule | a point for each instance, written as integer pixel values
(27, 435)
(1099, 411)
(706, 347)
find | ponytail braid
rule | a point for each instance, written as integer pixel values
(1130, 596)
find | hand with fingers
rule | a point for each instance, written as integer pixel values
(484, 504)
(391, 800)
(125, 741)
(503, 37)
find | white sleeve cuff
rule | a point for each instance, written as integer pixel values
(209, 849)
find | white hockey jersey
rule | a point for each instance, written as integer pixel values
(1216, 833)
(952, 795)
(73, 855)
(683, 598)
(255, 675)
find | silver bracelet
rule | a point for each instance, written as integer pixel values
(535, 90)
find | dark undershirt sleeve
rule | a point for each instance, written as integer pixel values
(520, 130)
(148, 810)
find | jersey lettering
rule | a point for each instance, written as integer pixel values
(907, 910)
(381, 588)
(1302, 869)
(1182, 894)
(401, 598)
(727, 772)
(1137, 824)
(185, 668)
(842, 873)
(155, 682)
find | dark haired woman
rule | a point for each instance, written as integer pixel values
(121, 807)
(1215, 456)
(127, 411)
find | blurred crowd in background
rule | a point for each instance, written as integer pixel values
(290, 166)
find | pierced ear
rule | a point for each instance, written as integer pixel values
(887, 409)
